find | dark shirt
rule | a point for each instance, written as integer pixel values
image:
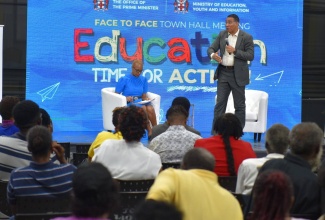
(306, 188)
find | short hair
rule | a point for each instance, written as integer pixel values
(137, 62)
(6, 106)
(277, 139)
(132, 123)
(94, 191)
(305, 138)
(156, 210)
(183, 101)
(198, 158)
(116, 114)
(176, 111)
(39, 140)
(26, 114)
(228, 125)
(46, 119)
(234, 16)
(275, 189)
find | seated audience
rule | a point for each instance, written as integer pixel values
(42, 177)
(129, 159)
(156, 210)
(13, 149)
(276, 145)
(134, 87)
(105, 135)
(226, 146)
(46, 120)
(321, 180)
(195, 190)
(158, 129)
(305, 141)
(176, 140)
(8, 127)
(275, 189)
(94, 193)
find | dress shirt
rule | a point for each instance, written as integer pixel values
(228, 59)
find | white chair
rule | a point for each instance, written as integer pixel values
(111, 100)
(256, 111)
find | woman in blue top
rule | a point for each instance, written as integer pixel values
(135, 87)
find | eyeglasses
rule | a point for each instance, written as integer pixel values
(138, 71)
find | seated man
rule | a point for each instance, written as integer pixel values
(13, 149)
(158, 129)
(46, 120)
(42, 177)
(8, 127)
(276, 144)
(105, 135)
(305, 140)
(195, 190)
(176, 140)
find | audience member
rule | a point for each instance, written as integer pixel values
(176, 140)
(226, 145)
(156, 210)
(158, 129)
(46, 120)
(321, 179)
(195, 190)
(275, 189)
(42, 177)
(105, 135)
(129, 159)
(276, 145)
(305, 140)
(134, 87)
(13, 149)
(94, 193)
(8, 127)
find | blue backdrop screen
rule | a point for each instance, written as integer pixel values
(74, 49)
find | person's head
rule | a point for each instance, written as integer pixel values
(95, 194)
(132, 123)
(6, 106)
(232, 23)
(26, 115)
(176, 115)
(228, 125)
(116, 115)
(277, 139)
(183, 101)
(39, 141)
(156, 210)
(198, 158)
(46, 120)
(275, 189)
(305, 140)
(137, 68)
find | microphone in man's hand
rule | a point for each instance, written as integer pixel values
(227, 43)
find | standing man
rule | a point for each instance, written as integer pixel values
(232, 49)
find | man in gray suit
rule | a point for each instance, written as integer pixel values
(232, 49)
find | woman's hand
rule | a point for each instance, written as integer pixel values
(129, 98)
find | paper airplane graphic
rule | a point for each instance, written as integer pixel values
(262, 78)
(48, 92)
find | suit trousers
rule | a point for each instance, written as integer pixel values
(227, 83)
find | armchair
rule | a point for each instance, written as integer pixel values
(256, 111)
(111, 100)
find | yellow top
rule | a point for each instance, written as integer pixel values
(196, 193)
(101, 137)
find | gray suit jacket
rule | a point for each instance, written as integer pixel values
(244, 52)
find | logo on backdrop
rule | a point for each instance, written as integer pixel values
(181, 6)
(101, 5)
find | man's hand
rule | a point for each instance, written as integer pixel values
(230, 49)
(59, 152)
(216, 57)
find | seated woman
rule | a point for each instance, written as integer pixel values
(135, 87)
(94, 194)
(129, 159)
(226, 145)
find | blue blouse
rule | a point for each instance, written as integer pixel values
(130, 85)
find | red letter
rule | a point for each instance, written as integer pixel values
(184, 50)
(138, 53)
(82, 45)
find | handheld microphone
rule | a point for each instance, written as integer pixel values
(227, 43)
